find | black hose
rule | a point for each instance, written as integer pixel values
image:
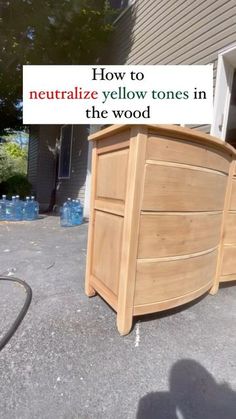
(22, 313)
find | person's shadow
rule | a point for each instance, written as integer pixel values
(194, 394)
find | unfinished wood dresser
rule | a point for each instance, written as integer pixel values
(226, 266)
(157, 203)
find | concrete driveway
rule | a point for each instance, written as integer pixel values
(68, 361)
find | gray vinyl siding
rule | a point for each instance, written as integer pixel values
(74, 187)
(49, 134)
(33, 157)
(175, 32)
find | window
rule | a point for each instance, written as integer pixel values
(223, 90)
(65, 152)
(231, 123)
(121, 4)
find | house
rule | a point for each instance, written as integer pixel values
(56, 176)
(146, 32)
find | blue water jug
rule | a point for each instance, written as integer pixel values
(10, 209)
(35, 208)
(77, 217)
(18, 213)
(73, 211)
(66, 214)
(28, 213)
(3, 205)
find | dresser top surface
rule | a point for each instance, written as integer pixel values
(173, 131)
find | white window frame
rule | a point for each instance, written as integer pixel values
(59, 168)
(130, 4)
(224, 80)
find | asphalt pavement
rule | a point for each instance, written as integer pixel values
(67, 360)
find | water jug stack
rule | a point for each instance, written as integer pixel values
(3, 206)
(71, 213)
(18, 210)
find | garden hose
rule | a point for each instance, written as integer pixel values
(22, 313)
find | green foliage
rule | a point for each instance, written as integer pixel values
(15, 151)
(16, 185)
(13, 160)
(46, 32)
(6, 164)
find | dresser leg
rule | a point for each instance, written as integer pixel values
(124, 322)
(214, 288)
(90, 291)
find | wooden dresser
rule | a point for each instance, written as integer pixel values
(157, 214)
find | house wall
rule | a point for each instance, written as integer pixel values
(92, 130)
(150, 32)
(42, 165)
(175, 32)
(33, 157)
(48, 136)
(74, 187)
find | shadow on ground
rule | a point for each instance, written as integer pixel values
(169, 312)
(193, 393)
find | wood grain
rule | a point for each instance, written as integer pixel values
(229, 260)
(180, 189)
(157, 281)
(115, 142)
(135, 182)
(234, 170)
(172, 131)
(106, 252)
(89, 290)
(162, 225)
(110, 205)
(164, 234)
(105, 292)
(230, 229)
(227, 278)
(111, 180)
(180, 151)
(170, 303)
(232, 205)
(224, 261)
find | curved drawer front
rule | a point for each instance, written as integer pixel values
(163, 234)
(158, 281)
(180, 151)
(230, 229)
(229, 261)
(171, 188)
(228, 265)
(232, 206)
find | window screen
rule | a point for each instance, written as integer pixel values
(65, 151)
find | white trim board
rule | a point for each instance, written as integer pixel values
(93, 128)
(224, 79)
